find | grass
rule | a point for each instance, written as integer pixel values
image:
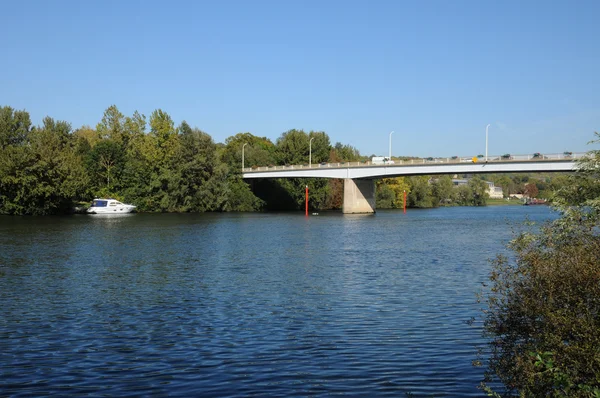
(504, 202)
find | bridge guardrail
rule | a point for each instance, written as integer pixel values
(420, 161)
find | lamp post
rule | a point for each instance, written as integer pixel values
(243, 156)
(310, 152)
(390, 157)
(486, 142)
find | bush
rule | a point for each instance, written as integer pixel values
(546, 301)
(543, 315)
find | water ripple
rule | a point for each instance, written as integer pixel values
(247, 304)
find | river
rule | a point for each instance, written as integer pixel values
(272, 304)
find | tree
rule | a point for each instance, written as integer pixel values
(392, 192)
(41, 173)
(479, 191)
(14, 126)
(543, 315)
(344, 153)
(420, 192)
(442, 190)
(111, 126)
(202, 185)
(531, 190)
(259, 151)
(105, 163)
(293, 147)
(385, 197)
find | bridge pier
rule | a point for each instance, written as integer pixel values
(359, 196)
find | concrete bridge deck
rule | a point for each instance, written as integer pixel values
(359, 185)
(430, 166)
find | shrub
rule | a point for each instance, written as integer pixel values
(546, 301)
(543, 315)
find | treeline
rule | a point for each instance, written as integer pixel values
(154, 164)
(161, 167)
(428, 191)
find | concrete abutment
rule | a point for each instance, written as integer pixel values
(359, 196)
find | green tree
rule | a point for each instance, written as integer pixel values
(105, 163)
(442, 191)
(420, 192)
(344, 153)
(293, 147)
(479, 191)
(41, 173)
(259, 151)
(14, 127)
(112, 125)
(385, 197)
(202, 185)
(463, 195)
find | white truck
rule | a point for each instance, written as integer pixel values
(381, 160)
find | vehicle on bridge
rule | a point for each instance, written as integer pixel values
(381, 160)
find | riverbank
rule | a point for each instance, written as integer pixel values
(504, 202)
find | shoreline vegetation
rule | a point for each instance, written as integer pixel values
(160, 167)
(541, 315)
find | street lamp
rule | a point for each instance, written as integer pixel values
(390, 157)
(486, 141)
(310, 152)
(243, 156)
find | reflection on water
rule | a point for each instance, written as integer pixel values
(246, 304)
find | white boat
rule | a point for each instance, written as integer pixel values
(109, 206)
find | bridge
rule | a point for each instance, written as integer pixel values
(359, 184)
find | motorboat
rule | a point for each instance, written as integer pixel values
(109, 206)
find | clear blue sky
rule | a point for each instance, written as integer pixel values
(435, 72)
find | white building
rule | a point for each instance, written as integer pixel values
(493, 191)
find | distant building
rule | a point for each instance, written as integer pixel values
(493, 191)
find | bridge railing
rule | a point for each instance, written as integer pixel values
(506, 158)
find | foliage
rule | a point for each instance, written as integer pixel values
(443, 191)
(531, 190)
(294, 147)
(390, 192)
(104, 163)
(543, 316)
(161, 167)
(14, 127)
(40, 171)
(420, 194)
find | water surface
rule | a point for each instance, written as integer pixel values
(246, 304)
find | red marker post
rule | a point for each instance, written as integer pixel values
(307, 200)
(404, 201)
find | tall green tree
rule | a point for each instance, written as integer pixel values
(41, 173)
(442, 190)
(420, 192)
(105, 164)
(202, 186)
(14, 127)
(479, 191)
(111, 127)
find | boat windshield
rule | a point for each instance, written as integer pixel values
(99, 203)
